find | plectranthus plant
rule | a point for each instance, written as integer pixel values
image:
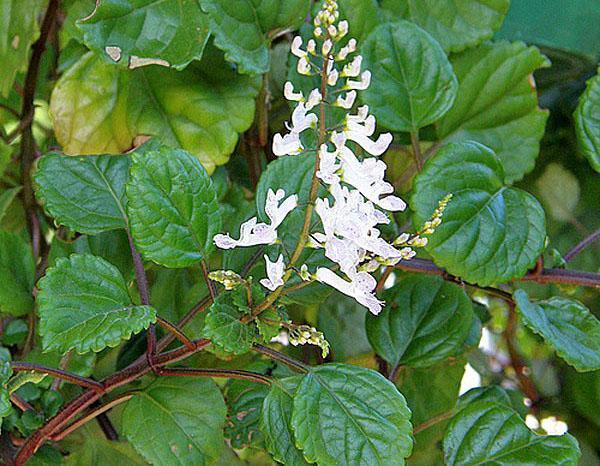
(357, 197)
(332, 232)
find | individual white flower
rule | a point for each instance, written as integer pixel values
(361, 287)
(303, 66)
(327, 46)
(274, 273)
(346, 50)
(332, 30)
(342, 29)
(314, 99)
(289, 144)
(364, 83)
(289, 94)
(296, 50)
(278, 212)
(332, 77)
(252, 233)
(328, 166)
(352, 69)
(347, 101)
(301, 119)
(311, 47)
(362, 125)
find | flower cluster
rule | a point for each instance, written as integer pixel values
(359, 199)
(304, 334)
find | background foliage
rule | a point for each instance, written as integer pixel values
(133, 131)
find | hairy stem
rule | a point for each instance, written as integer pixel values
(220, 373)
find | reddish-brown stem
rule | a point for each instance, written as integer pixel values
(193, 312)
(172, 328)
(219, 373)
(588, 241)
(516, 361)
(560, 276)
(20, 403)
(384, 276)
(62, 365)
(88, 417)
(209, 283)
(19, 366)
(281, 357)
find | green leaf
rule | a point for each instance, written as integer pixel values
(244, 29)
(455, 25)
(275, 422)
(584, 388)
(587, 122)
(351, 414)
(492, 433)
(490, 233)
(176, 421)
(496, 104)
(559, 190)
(490, 394)
(99, 108)
(5, 374)
(18, 30)
(429, 393)
(413, 84)
(144, 32)
(17, 275)
(425, 320)
(172, 207)
(84, 305)
(566, 325)
(87, 194)
(362, 15)
(6, 199)
(224, 328)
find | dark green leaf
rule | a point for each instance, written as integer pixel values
(276, 422)
(84, 305)
(6, 198)
(5, 374)
(584, 388)
(17, 275)
(413, 84)
(87, 194)
(145, 32)
(425, 320)
(497, 104)
(587, 122)
(353, 415)
(176, 421)
(566, 325)
(99, 108)
(489, 233)
(455, 25)
(490, 394)
(492, 433)
(172, 207)
(244, 29)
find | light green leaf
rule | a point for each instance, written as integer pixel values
(413, 84)
(6, 199)
(275, 422)
(244, 29)
(559, 190)
(497, 104)
(87, 194)
(429, 393)
(145, 32)
(352, 415)
(490, 233)
(456, 25)
(587, 122)
(492, 433)
(176, 421)
(99, 108)
(566, 325)
(18, 30)
(425, 320)
(84, 305)
(224, 328)
(17, 275)
(172, 207)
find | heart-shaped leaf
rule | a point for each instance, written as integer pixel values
(353, 415)
(492, 433)
(490, 233)
(413, 84)
(84, 305)
(173, 218)
(566, 325)
(87, 194)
